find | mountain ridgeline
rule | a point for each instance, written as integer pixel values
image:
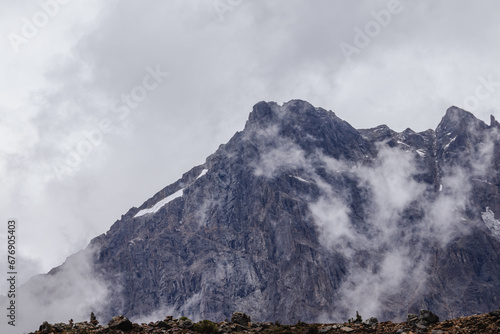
(301, 217)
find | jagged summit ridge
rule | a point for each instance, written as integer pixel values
(297, 121)
(300, 216)
(456, 118)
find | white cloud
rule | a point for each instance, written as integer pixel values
(331, 216)
(391, 183)
(73, 293)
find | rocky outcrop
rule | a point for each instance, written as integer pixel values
(120, 322)
(427, 323)
(240, 318)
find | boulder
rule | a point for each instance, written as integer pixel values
(412, 317)
(240, 318)
(187, 324)
(45, 328)
(437, 331)
(428, 317)
(120, 322)
(371, 321)
(163, 324)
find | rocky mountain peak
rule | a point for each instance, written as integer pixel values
(295, 113)
(457, 121)
(301, 216)
(306, 126)
(262, 115)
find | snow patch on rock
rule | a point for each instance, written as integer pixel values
(160, 204)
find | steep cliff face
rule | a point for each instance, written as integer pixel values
(302, 217)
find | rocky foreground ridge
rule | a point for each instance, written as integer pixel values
(424, 322)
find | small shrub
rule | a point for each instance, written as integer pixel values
(183, 318)
(205, 327)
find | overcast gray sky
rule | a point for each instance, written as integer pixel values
(66, 66)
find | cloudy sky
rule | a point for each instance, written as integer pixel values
(103, 103)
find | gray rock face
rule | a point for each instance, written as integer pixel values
(301, 216)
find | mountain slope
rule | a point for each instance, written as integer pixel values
(302, 217)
